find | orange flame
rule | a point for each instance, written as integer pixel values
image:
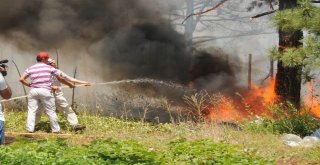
(261, 96)
(253, 102)
(224, 110)
(267, 93)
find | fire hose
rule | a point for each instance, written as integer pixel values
(143, 80)
(92, 84)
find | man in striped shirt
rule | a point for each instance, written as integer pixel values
(41, 76)
(61, 101)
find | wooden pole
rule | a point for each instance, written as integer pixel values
(36, 134)
(73, 104)
(24, 88)
(57, 54)
(271, 69)
(249, 72)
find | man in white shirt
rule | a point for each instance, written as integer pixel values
(5, 92)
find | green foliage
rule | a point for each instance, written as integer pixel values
(19, 120)
(285, 119)
(307, 56)
(209, 152)
(305, 17)
(156, 141)
(45, 152)
(109, 151)
(293, 57)
(122, 152)
(312, 51)
(273, 53)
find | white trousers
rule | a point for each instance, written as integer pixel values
(62, 105)
(45, 96)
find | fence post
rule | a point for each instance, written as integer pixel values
(271, 69)
(249, 71)
(73, 103)
(24, 88)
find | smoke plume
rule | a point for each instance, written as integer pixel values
(125, 38)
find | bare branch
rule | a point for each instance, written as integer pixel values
(263, 14)
(19, 73)
(270, 4)
(199, 13)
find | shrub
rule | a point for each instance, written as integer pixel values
(210, 152)
(109, 151)
(285, 119)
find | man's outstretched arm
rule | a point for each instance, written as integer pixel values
(66, 82)
(73, 80)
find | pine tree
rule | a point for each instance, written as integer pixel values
(294, 59)
(288, 78)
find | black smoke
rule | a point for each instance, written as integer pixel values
(50, 24)
(148, 50)
(129, 38)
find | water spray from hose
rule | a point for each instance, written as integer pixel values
(134, 81)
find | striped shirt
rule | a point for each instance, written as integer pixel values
(41, 75)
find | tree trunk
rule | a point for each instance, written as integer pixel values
(288, 79)
(189, 25)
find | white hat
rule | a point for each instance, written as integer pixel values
(50, 61)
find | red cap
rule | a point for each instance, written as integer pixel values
(43, 55)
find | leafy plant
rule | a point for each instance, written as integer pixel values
(109, 151)
(122, 152)
(285, 119)
(210, 152)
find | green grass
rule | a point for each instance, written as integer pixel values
(109, 151)
(110, 140)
